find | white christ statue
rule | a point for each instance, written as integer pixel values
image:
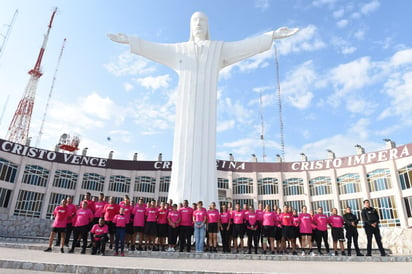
(198, 63)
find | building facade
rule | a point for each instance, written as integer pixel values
(33, 181)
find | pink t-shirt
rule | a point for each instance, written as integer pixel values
(286, 219)
(151, 214)
(162, 216)
(100, 230)
(305, 223)
(121, 220)
(71, 211)
(225, 217)
(83, 217)
(60, 213)
(269, 218)
(174, 217)
(336, 221)
(259, 214)
(213, 216)
(199, 215)
(187, 216)
(110, 210)
(127, 210)
(238, 217)
(98, 208)
(321, 222)
(251, 219)
(138, 212)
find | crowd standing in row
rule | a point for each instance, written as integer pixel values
(148, 226)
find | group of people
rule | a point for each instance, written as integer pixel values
(170, 227)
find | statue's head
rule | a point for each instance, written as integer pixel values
(199, 26)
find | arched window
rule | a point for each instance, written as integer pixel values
(349, 183)
(65, 179)
(243, 186)
(267, 186)
(293, 186)
(35, 175)
(379, 179)
(320, 186)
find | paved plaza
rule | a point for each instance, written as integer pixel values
(29, 258)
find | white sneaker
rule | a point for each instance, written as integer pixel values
(173, 249)
(312, 254)
(303, 253)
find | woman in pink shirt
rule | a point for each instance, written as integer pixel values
(305, 228)
(213, 220)
(84, 216)
(225, 228)
(99, 232)
(150, 226)
(336, 223)
(162, 226)
(173, 219)
(138, 216)
(120, 220)
(252, 228)
(59, 225)
(109, 211)
(268, 230)
(199, 219)
(128, 208)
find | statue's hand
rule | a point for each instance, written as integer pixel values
(284, 32)
(119, 38)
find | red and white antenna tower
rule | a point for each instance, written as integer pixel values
(19, 127)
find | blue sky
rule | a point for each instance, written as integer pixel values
(345, 78)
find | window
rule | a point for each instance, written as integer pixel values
(388, 212)
(28, 204)
(296, 205)
(356, 206)
(4, 197)
(293, 186)
(405, 176)
(35, 175)
(119, 184)
(242, 202)
(55, 200)
(326, 205)
(222, 183)
(349, 183)
(408, 206)
(272, 203)
(268, 186)
(145, 184)
(164, 184)
(8, 171)
(93, 181)
(162, 199)
(379, 179)
(320, 186)
(243, 186)
(145, 200)
(65, 179)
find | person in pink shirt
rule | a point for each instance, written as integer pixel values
(321, 222)
(71, 211)
(173, 220)
(252, 228)
(99, 232)
(186, 227)
(84, 216)
(286, 222)
(305, 230)
(336, 223)
(120, 221)
(238, 217)
(162, 226)
(213, 220)
(150, 227)
(138, 214)
(296, 232)
(110, 210)
(199, 220)
(259, 213)
(268, 229)
(128, 208)
(98, 208)
(59, 225)
(224, 227)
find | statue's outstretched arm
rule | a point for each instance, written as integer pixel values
(119, 38)
(284, 32)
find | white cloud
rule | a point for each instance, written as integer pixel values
(343, 45)
(154, 83)
(262, 4)
(369, 7)
(97, 106)
(307, 39)
(338, 13)
(318, 3)
(297, 86)
(359, 34)
(225, 125)
(360, 105)
(348, 50)
(129, 64)
(128, 87)
(342, 23)
(402, 57)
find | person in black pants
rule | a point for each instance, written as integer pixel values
(351, 222)
(370, 218)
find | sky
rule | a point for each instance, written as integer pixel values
(345, 78)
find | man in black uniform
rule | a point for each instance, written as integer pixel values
(370, 218)
(351, 222)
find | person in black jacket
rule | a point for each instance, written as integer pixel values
(370, 218)
(351, 222)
